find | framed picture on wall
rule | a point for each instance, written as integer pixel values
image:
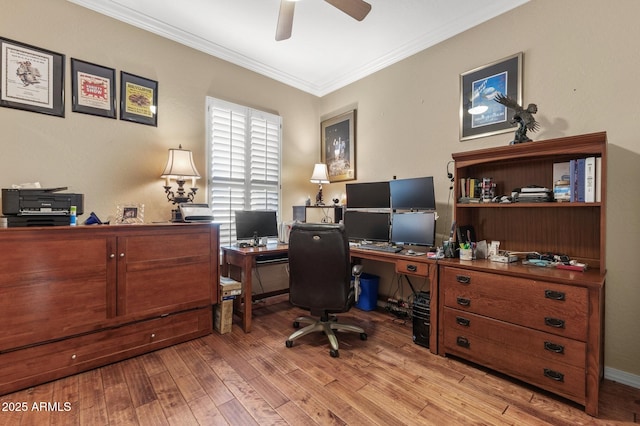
(338, 146)
(138, 99)
(480, 114)
(93, 89)
(32, 79)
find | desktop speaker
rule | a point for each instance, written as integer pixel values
(421, 318)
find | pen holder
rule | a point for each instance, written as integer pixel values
(466, 253)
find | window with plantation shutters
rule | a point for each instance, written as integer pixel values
(244, 147)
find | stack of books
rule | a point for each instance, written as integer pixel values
(532, 194)
(578, 180)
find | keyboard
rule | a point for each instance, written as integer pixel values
(381, 247)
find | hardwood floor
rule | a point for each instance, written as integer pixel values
(245, 379)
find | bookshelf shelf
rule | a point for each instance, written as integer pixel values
(551, 205)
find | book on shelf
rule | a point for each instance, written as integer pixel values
(590, 180)
(598, 181)
(584, 179)
(470, 189)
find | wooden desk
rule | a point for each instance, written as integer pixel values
(411, 265)
(419, 266)
(245, 259)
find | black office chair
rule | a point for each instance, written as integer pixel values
(320, 280)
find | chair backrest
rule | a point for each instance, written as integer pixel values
(320, 268)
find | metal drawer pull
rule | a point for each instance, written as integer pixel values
(412, 268)
(463, 302)
(555, 295)
(554, 347)
(463, 321)
(463, 279)
(462, 341)
(554, 322)
(554, 375)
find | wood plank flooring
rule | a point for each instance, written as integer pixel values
(253, 379)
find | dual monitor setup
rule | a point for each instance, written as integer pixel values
(400, 211)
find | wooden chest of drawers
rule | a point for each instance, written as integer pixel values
(529, 327)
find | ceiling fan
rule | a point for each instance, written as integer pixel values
(357, 9)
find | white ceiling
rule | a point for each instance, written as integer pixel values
(327, 49)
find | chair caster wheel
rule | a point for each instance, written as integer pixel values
(363, 336)
(296, 324)
(334, 353)
(288, 343)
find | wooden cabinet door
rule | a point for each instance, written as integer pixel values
(47, 276)
(164, 271)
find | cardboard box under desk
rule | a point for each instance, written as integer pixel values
(223, 318)
(229, 288)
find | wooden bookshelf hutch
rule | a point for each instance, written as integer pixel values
(541, 325)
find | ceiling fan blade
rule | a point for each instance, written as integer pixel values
(285, 20)
(357, 9)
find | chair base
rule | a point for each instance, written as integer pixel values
(327, 325)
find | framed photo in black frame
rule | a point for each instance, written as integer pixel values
(93, 89)
(480, 114)
(138, 99)
(338, 146)
(32, 79)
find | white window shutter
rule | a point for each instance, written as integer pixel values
(244, 162)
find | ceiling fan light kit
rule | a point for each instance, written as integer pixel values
(357, 9)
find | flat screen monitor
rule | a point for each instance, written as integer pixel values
(369, 195)
(414, 228)
(258, 223)
(413, 194)
(367, 226)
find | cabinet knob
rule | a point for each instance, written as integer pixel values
(463, 321)
(554, 375)
(554, 295)
(463, 342)
(554, 322)
(73, 356)
(554, 347)
(153, 335)
(121, 254)
(463, 301)
(463, 279)
(112, 255)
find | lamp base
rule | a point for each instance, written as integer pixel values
(176, 215)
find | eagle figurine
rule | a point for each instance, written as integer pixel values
(522, 117)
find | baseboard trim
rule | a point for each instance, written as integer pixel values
(623, 377)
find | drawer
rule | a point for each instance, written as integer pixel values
(46, 362)
(534, 343)
(511, 349)
(412, 268)
(550, 307)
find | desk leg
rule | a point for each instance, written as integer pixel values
(433, 307)
(247, 291)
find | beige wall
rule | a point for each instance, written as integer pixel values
(580, 67)
(114, 161)
(582, 78)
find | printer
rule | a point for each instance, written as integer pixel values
(39, 206)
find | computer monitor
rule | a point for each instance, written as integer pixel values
(414, 229)
(255, 223)
(412, 194)
(369, 195)
(366, 226)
